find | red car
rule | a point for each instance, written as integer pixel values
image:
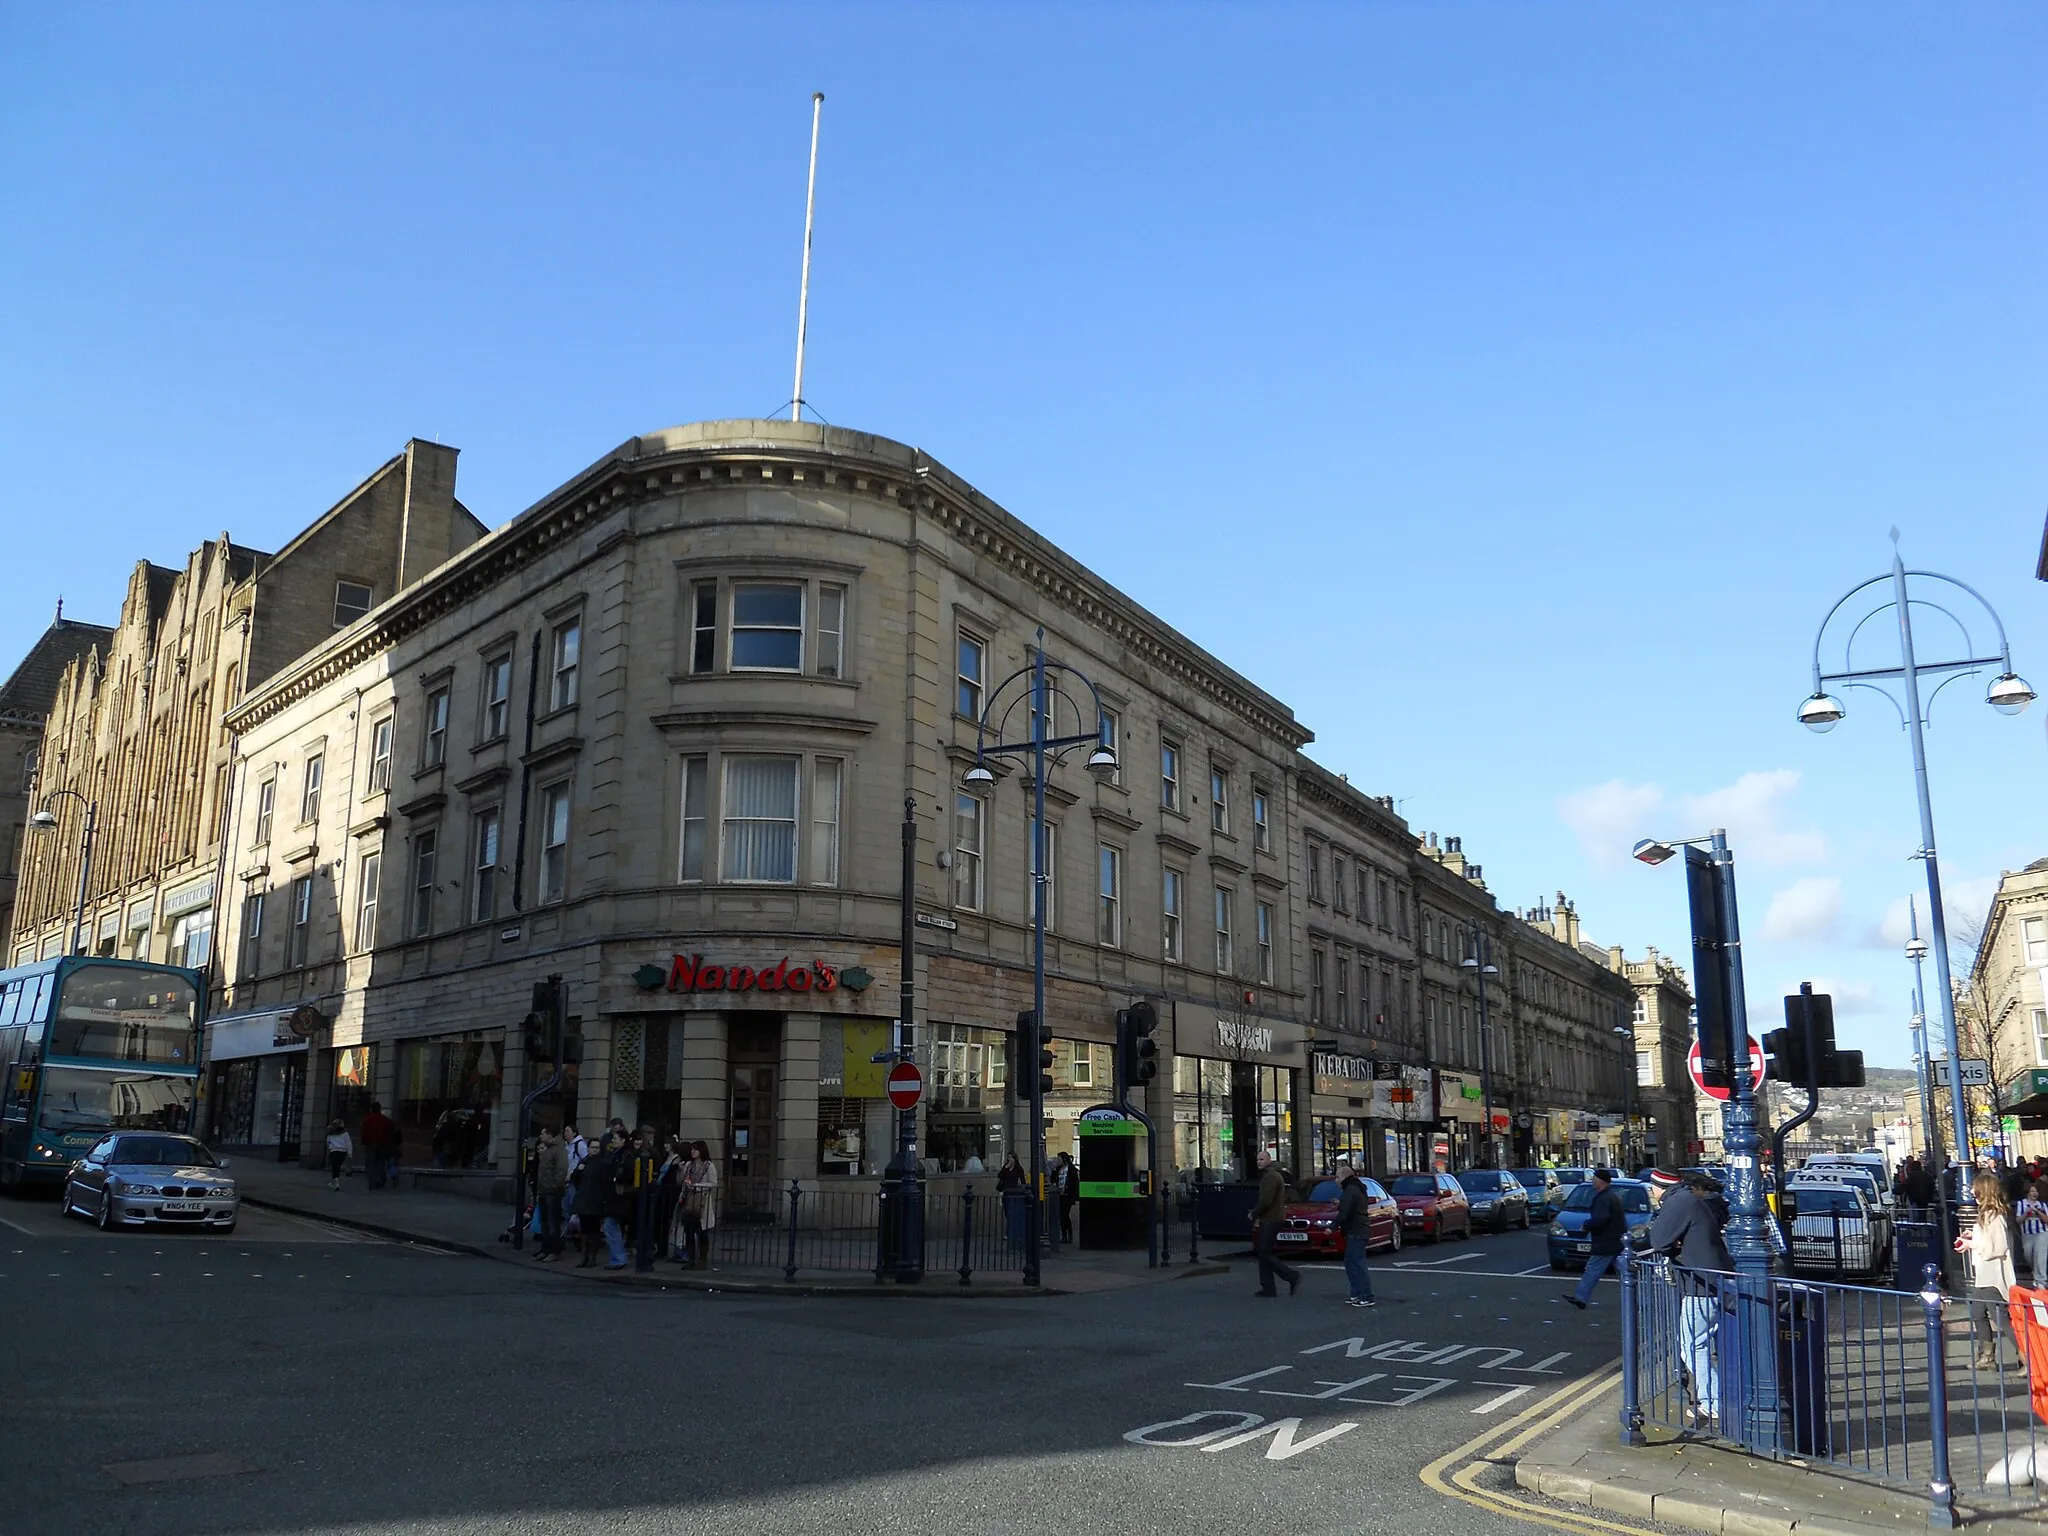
(1433, 1205)
(1310, 1225)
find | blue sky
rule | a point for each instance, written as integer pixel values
(1511, 389)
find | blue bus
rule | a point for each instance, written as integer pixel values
(88, 1046)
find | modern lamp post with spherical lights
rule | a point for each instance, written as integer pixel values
(1052, 691)
(1928, 592)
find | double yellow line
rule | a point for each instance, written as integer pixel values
(1456, 1473)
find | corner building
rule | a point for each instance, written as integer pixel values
(656, 735)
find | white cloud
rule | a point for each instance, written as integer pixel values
(1965, 900)
(1853, 998)
(1806, 911)
(1611, 817)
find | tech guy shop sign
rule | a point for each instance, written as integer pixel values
(692, 973)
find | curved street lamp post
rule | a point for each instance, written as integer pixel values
(1046, 691)
(2008, 694)
(45, 821)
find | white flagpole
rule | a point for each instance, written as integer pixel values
(803, 296)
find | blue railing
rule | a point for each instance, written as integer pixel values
(1913, 1389)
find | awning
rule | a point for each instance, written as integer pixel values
(2026, 1096)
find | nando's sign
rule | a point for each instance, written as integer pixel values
(690, 973)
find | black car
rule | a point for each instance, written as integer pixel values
(1498, 1198)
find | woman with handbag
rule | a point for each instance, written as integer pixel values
(700, 1206)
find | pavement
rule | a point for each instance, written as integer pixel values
(459, 1223)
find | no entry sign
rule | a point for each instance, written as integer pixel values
(906, 1085)
(1756, 1070)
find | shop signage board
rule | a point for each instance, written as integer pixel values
(1975, 1072)
(906, 1085)
(1229, 1035)
(1341, 1074)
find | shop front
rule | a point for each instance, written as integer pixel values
(1404, 1117)
(1342, 1085)
(1461, 1115)
(256, 1082)
(1236, 1092)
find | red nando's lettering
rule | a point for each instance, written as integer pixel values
(689, 973)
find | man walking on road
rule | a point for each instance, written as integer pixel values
(1266, 1218)
(1354, 1220)
(1607, 1228)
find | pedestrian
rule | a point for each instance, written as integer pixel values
(1354, 1220)
(1267, 1215)
(1688, 1230)
(618, 1198)
(379, 1134)
(1989, 1245)
(668, 1194)
(550, 1183)
(1011, 1186)
(593, 1187)
(1919, 1187)
(1067, 1179)
(1607, 1234)
(700, 1205)
(339, 1148)
(1661, 1184)
(2032, 1213)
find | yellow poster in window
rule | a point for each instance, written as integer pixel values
(866, 1078)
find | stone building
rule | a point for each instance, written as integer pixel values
(2002, 1009)
(1661, 1023)
(136, 725)
(25, 700)
(1571, 1019)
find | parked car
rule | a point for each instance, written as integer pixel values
(1570, 1246)
(135, 1178)
(1834, 1228)
(1545, 1193)
(1310, 1225)
(1569, 1179)
(1498, 1198)
(1433, 1205)
(1851, 1176)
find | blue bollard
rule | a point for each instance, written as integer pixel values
(1631, 1400)
(1941, 1493)
(789, 1269)
(967, 1236)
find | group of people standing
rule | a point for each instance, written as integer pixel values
(596, 1195)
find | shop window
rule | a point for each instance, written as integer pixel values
(448, 1091)
(757, 831)
(192, 940)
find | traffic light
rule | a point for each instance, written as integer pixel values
(539, 1025)
(1785, 1049)
(1799, 1057)
(1832, 1068)
(1032, 1045)
(1142, 1022)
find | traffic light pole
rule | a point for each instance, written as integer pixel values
(557, 1010)
(1810, 1062)
(1034, 1221)
(910, 1197)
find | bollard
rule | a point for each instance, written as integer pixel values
(789, 1268)
(1941, 1493)
(882, 1255)
(1195, 1225)
(1631, 1399)
(967, 1235)
(643, 1229)
(1166, 1228)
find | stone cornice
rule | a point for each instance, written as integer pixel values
(1323, 789)
(754, 453)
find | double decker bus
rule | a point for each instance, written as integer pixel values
(88, 1046)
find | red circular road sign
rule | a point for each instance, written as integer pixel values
(1756, 1070)
(906, 1085)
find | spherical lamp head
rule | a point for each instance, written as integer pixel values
(1102, 764)
(2009, 694)
(1821, 712)
(1916, 949)
(44, 820)
(977, 777)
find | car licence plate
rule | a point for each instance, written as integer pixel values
(1582, 1247)
(1293, 1237)
(182, 1207)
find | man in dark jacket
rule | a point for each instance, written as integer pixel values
(1354, 1220)
(1688, 1230)
(1607, 1228)
(594, 1181)
(1267, 1215)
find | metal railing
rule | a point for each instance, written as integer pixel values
(1912, 1389)
(845, 1231)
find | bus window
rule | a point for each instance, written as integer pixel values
(8, 994)
(125, 1014)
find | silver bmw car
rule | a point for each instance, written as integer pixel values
(134, 1178)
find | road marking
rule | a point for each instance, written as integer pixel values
(1236, 1383)
(1283, 1445)
(1504, 1439)
(1460, 1258)
(1508, 1395)
(15, 1226)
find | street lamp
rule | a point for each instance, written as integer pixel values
(2008, 694)
(1628, 1114)
(1916, 951)
(1049, 681)
(44, 822)
(1479, 960)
